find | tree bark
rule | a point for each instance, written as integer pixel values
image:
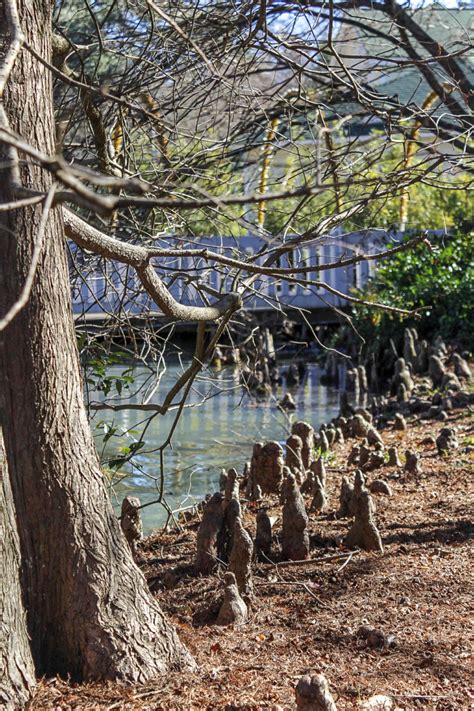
(90, 614)
(17, 675)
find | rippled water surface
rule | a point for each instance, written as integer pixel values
(217, 429)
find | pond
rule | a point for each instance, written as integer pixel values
(216, 430)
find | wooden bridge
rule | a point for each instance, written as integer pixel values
(102, 291)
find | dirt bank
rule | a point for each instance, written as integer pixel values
(309, 616)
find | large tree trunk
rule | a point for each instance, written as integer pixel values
(89, 611)
(17, 675)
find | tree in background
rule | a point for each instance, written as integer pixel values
(163, 113)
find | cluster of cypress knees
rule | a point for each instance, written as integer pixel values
(300, 470)
(290, 474)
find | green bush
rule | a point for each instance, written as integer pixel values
(441, 280)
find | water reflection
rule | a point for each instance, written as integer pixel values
(217, 429)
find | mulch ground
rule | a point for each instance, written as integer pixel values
(418, 593)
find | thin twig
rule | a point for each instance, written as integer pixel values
(309, 561)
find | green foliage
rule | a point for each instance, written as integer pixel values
(102, 380)
(429, 207)
(126, 454)
(444, 203)
(440, 280)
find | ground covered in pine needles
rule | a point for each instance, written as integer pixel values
(417, 594)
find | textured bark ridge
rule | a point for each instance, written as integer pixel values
(233, 610)
(208, 534)
(267, 467)
(363, 533)
(319, 500)
(352, 381)
(354, 456)
(306, 433)
(90, 613)
(294, 535)
(343, 425)
(393, 459)
(240, 562)
(232, 486)
(402, 376)
(330, 433)
(446, 441)
(437, 371)
(373, 436)
(360, 426)
(451, 382)
(312, 694)
(222, 480)
(376, 460)
(131, 521)
(363, 380)
(321, 441)
(17, 677)
(294, 461)
(421, 363)
(364, 455)
(345, 497)
(253, 491)
(410, 338)
(412, 463)
(233, 511)
(399, 422)
(317, 469)
(461, 367)
(263, 536)
(379, 486)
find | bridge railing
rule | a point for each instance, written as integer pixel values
(101, 288)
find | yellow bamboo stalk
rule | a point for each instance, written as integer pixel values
(410, 150)
(152, 107)
(267, 152)
(117, 137)
(332, 162)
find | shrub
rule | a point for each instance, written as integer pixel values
(440, 279)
